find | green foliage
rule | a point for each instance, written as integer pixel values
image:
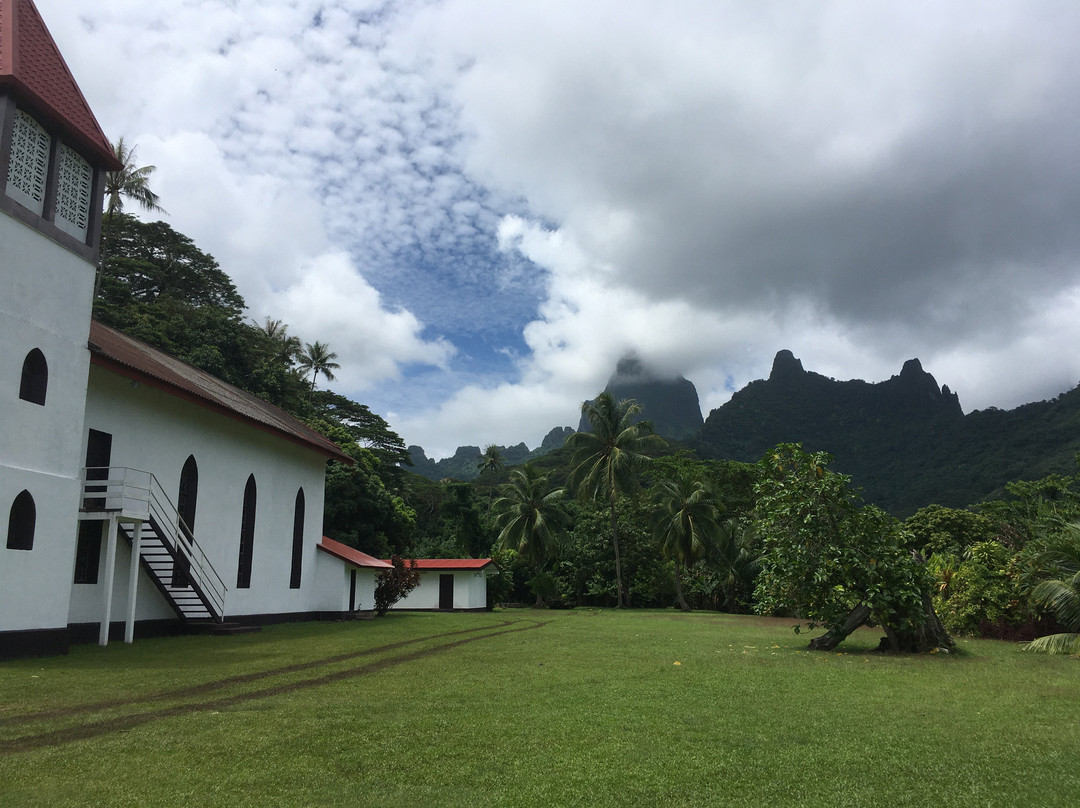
(979, 591)
(491, 461)
(362, 511)
(1034, 508)
(608, 460)
(685, 521)
(158, 286)
(937, 529)
(393, 584)
(319, 359)
(824, 554)
(1059, 590)
(530, 519)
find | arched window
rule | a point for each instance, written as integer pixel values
(21, 521)
(297, 540)
(35, 378)
(247, 535)
(186, 499)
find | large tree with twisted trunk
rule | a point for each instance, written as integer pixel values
(835, 563)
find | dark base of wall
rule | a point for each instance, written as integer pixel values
(33, 643)
(54, 642)
(86, 633)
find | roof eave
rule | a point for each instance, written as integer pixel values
(123, 369)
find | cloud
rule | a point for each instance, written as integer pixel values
(515, 196)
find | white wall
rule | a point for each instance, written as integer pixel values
(88, 599)
(470, 590)
(156, 432)
(45, 297)
(333, 581)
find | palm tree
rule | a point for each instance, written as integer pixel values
(607, 460)
(130, 182)
(734, 561)
(491, 460)
(318, 358)
(685, 522)
(1060, 594)
(287, 348)
(530, 518)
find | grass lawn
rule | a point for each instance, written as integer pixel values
(537, 708)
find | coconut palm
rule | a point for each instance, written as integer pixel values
(491, 460)
(318, 358)
(607, 460)
(530, 518)
(129, 182)
(685, 522)
(1061, 594)
(287, 348)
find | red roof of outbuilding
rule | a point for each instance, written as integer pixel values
(33, 70)
(136, 360)
(351, 555)
(452, 563)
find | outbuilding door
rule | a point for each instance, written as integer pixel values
(446, 591)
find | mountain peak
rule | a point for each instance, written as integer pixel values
(785, 366)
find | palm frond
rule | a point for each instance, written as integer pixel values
(1055, 644)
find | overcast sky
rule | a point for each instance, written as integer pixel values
(481, 205)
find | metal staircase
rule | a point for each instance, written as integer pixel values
(167, 549)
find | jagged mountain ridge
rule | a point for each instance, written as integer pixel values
(462, 465)
(905, 441)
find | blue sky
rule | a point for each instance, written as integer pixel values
(482, 205)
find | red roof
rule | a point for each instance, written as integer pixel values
(452, 563)
(137, 360)
(33, 70)
(351, 555)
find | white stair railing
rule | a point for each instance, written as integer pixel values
(139, 495)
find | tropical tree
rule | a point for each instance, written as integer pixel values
(1060, 557)
(835, 563)
(319, 359)
(129, 182)
(530, 518)
(491, 461)
(685, 522)
(607, 461)
(286, 347)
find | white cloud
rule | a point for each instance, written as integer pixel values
(701, 182)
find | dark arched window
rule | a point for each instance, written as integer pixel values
(35, 378)
(297, 540)
(21, 521)
(247, 535)
(186, 499)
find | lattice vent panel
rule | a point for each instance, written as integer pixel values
(74, 182)
(28, 163)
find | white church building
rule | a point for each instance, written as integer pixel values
(137, 493)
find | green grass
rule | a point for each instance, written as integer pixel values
(537, 708)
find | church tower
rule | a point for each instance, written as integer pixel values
(53, 160)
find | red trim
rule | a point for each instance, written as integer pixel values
(452, 563)
(351, 555)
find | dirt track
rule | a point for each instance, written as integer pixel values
(145, 713)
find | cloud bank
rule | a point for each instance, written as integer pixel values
(482, 206)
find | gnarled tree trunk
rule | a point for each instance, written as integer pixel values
(836, 635)
(929, 635)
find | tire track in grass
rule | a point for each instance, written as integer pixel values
(122, 723)
(207, 687)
